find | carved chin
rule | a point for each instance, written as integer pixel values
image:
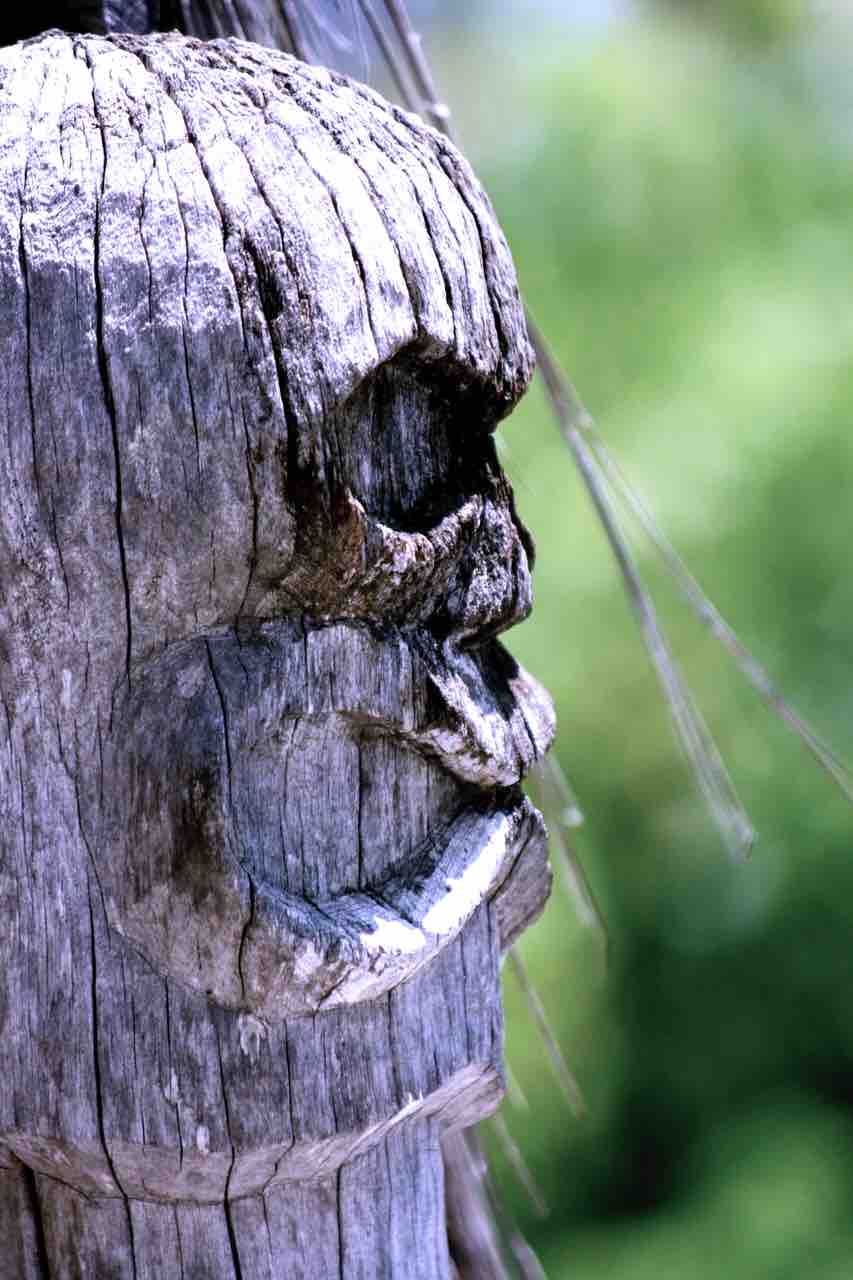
(272, 825)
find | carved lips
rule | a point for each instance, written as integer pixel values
(281, 898)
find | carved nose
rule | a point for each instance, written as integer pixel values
(491, 589)
(467, 577)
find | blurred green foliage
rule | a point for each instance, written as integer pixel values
(679, 205)
(755, 22)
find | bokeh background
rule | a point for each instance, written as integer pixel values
(676, 181)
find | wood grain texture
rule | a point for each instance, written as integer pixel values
(261, 832)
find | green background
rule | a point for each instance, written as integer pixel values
(677, 188)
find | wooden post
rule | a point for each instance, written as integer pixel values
(261, 833)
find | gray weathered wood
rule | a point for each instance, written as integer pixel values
(261, 832)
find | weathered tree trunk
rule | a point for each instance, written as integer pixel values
(261, 833)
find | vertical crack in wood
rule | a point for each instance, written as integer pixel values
(173, 1095)
(226, 1203)
(450, 165)
(223, 706)
(360, 811)
(191, 394)
(24, 266)
(265, 1208)
(394, 1047)
(179, 1237)
(244, 934)
(412, 158)
(98, 1083)
(253, 554)
(87, 844)
(357, 258)
(341, 1218)
(287, 1064)
(81, 50)
(29, 1183)
(54, 528)
(25, 279)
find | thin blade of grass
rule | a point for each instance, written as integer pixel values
(232, 24)
(568, 1084)
(356, 19)
(529, 1266)
(514, 1092)
(330, 38)
(578, 889)
(712, 619)
(692, 732)
(477, 1224)
(292, 12)
(571, 814)
(554, 797)
(195, 20)
(436, 112)
(397, 66)
(519, 1166)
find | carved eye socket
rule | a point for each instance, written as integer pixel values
(407, 516)
(413, 446)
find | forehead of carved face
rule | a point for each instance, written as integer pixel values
(265, 325)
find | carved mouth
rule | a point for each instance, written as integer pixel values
(236, 891)
(299, 955)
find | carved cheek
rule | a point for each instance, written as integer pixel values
(285, 836)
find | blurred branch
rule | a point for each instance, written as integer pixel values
(565, 1079)
(716, 624)
(480, 1227)
(693, 733)
(397, 65)
(437, 113)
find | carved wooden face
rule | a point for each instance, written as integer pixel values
(269, 326)
(312, 762)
